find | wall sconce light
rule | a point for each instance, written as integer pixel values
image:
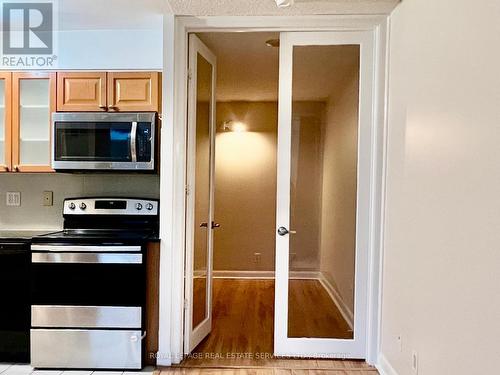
(234, 126)
(284, 3)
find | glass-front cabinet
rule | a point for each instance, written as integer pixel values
(5, 122)
(33, 101)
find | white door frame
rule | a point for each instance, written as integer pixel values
(173, 160)
(198, 333)
(323, 347)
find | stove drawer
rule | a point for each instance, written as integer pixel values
(86, 316)
(86, 349)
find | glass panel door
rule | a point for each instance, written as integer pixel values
(34, 102)
(200, 217)
(322, 202)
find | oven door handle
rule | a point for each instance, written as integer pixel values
(87, 258)
(133, 142)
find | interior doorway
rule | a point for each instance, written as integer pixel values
(243, 133)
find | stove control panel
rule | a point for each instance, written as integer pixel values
(110, 206)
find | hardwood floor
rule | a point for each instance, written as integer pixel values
(264, 371)
(241, 341)
(312, 313)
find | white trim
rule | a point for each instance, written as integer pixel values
(237, 274)
(170, 269)
(172, 180)
(384, 367)
(379, 167)
(345, 311)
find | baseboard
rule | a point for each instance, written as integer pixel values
(345, 311)
(243, 274)
(263, 274)
(384, 367)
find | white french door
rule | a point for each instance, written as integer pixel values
(304, 153)
(200, 193)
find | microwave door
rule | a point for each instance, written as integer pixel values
(91, 145)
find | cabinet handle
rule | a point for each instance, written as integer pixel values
(16, 168)
(5, 168)
(103, 107)
(113, 107)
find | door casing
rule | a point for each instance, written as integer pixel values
(173, 156)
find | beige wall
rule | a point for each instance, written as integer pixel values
(245, 187)
(305, 184)
(32, 215)
(441, 279)
(338, 198)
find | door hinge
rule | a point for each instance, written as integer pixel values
(186, 303)
(188, 190)
(190, 74)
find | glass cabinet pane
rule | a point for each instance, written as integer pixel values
(2, 121)
(34, 117)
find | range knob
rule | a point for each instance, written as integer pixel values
(138, 206)
(83, 206)
(149, 206)
(72, 206)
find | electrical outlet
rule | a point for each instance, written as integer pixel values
(13, 198)
(399, 341)
(414, 362)
(48, 198)
(256, 258)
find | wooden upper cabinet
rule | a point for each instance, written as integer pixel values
(81, 91)
(33, 101)
(5, 122)
(133, 91)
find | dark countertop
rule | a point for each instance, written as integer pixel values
(21, 235)
(27, 235)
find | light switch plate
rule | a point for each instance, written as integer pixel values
(13, 198)
(48, 198)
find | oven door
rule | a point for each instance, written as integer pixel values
(88, 279)
(88, 141)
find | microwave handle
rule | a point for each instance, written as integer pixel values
(133, 142)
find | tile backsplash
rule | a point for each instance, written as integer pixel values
(33, 215)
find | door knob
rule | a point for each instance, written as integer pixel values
(203, 225)
(282, 231)
(215, 225)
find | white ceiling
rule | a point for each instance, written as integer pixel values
(247, 69)
(268, 7)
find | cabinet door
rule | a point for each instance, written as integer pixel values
(33, 101)
(5, 122)
(81, 91)
(133, 91)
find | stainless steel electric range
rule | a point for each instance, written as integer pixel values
(88, 285)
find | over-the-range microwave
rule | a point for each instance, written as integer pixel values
(84, 141)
